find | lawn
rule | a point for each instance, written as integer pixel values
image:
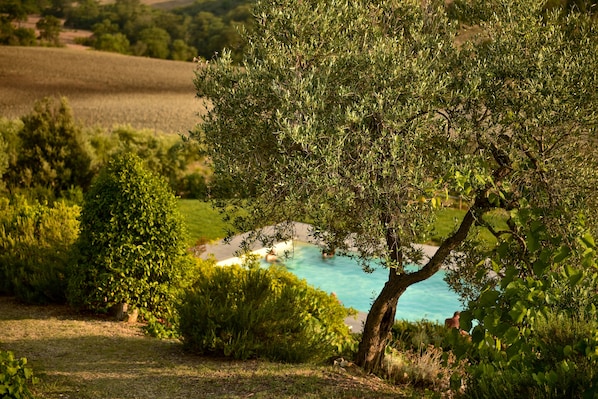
(448, 220)
(203, 221)
(206, 222)
(82, 357)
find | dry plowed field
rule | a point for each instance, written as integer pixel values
(104, 89)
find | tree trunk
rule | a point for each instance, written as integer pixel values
(381, 318)
(378, 324)
(123, 312)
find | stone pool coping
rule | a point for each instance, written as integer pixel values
(224, 253)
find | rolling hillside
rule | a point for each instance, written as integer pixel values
(103, 88)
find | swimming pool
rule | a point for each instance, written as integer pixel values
(431, 299)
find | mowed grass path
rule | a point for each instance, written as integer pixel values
(83, 357)
(104, 89)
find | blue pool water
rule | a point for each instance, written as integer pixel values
(431, 299)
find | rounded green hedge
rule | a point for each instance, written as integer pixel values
(249, 312)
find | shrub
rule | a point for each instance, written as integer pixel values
(419, 353)
(408, 335)
(537, 337)
(249, 312)
(35, 245)
(131, 249)
(429, 367)
(15, 377)
(51, 149)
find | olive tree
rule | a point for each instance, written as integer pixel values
(131, 249)
(531, 107)
(356, 116)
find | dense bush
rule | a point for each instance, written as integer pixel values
(249, 312)
(49, 150)
(131, 249)
(420, 354)
(35, 245)
(15, 377)
(537, 336)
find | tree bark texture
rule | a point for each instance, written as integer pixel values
(381, 318)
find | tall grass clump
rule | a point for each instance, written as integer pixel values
(428, 368)
(252, 312)
(419, 354)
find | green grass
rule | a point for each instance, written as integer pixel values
(203, 221)
(448, 219)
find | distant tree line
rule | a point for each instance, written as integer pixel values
(201, 29)
(45, 155)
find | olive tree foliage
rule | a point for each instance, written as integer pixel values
(533, 108)
(131, 249)
(356, 116)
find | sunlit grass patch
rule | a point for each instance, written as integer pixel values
(204, 222)
(92, 358)
(448, 220)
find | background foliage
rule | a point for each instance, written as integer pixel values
(35, 246)
(202, 28)
(48, 153)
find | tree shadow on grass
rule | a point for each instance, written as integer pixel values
(87, 358)
(140, 367)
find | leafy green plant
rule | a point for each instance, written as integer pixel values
(131, 249)
(249, 312)
(35, 247)
(51, 149)
(15, 377)
(537, 334)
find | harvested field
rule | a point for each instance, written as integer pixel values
(104, 89)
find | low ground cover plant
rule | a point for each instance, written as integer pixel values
(252, 312)
(15, 377)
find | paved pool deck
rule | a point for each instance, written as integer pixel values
(225, 252)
